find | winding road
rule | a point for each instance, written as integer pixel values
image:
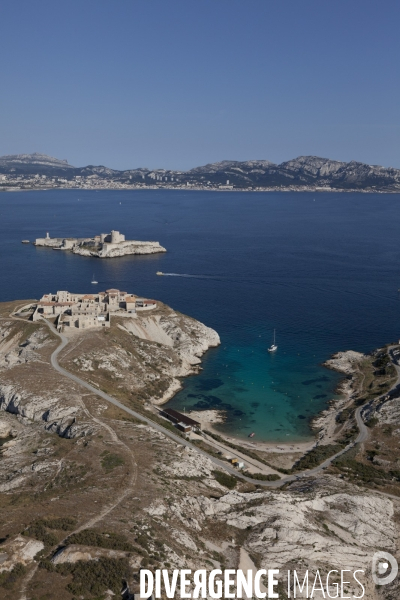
(362, 436)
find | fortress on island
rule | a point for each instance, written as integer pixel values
(89, 311)
(105, 245)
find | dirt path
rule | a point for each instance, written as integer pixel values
(130, 485)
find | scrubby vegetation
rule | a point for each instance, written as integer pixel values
(358, 471)
(62, 523)
(39, 529)
(225, 479)
(262, 477)
(110, 460)
(91, 537)
(96, 576)
(316, 456)
(8, 578)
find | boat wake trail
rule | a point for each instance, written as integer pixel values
(191, 276)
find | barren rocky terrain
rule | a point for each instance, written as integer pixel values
(90, 495)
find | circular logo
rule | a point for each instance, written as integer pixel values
(384, 568)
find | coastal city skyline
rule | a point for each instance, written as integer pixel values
(175, 85)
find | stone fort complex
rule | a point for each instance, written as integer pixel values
(105, 245)
(88, 311)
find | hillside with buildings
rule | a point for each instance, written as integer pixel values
(38, 171)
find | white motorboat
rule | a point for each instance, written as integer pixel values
(273, 347)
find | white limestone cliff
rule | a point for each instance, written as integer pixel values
(121, 249)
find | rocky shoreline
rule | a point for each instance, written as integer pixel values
(123, 249)
(189, 338)
(91, 247)
(150, 355)
(346, 363)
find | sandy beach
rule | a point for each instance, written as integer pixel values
(324, 424)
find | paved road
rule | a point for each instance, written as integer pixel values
(362, 436)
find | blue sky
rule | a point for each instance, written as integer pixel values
(179, 83)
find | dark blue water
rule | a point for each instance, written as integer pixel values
(323, 269)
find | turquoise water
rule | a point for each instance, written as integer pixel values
(323, 269)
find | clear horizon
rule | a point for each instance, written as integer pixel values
(177, 85)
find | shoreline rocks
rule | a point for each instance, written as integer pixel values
(123, 249)
(324, 424)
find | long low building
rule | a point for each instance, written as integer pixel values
(182, 421)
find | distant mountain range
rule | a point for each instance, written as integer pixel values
(302, 172)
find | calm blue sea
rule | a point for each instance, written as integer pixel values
(323, 269)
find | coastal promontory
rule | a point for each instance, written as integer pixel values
(91, 493)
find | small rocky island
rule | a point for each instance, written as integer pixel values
(105, 245)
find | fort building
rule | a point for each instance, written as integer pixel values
(88, 311)
(105, 245)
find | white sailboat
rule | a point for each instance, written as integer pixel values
(273, 346)
(94, 280)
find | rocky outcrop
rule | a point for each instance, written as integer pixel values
(75, 552)
(345, 362)
(122, 249)
(189, 339)
(36, 160)
(13, 353)
(341, 529)
(20, 550)
(304, 171)
(325, 422)
(56, 416)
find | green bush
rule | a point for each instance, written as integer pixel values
(110, 460)
(91, 537)
(316, 456)
(38, 530)
(96, 576)
(62, 523)
(8, 578)
(225, 479)
(262, 477)
(360, 471)
(345, 415)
